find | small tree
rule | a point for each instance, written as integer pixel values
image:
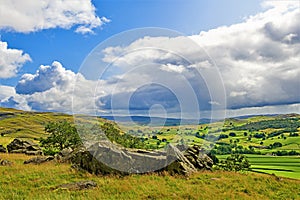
(61, 135)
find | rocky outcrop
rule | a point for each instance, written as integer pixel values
(198, 158)
(179, 164)
(78, 185)
(2, 149)
(39, 159)
(107, 158)
(24, 146)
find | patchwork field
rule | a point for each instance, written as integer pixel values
(283, 166)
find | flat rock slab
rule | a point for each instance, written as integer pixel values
(39, 159)
(78, 185)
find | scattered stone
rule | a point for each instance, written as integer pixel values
(78, 185)
(33, 153)
(66, 152)
(5, 162)
(39, 159)
(24, 146)
(2, 149)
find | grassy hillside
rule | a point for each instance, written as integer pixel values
(254, 135)
(21, 181)
(29, 125)
(16, 123)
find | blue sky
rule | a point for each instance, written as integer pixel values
(70, 48)
(69, 39)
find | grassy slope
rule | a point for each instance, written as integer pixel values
(30, 125)
(21, 181)
(15, 123)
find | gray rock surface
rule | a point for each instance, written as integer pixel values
(24, 146)
(107, 158)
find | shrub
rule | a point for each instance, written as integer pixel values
(259, 135)
(232, 134)
(234, 162)
(275, 145)
(294, 134)
(113, 133)
(223, 136)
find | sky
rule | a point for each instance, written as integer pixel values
(240, 56)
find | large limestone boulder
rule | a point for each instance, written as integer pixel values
(24, 146)
(107, 158)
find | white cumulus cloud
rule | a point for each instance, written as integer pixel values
(51, 88)
(257, 58)
(11, 60)
(34, 15)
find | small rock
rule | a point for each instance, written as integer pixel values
(34, 153)
(2, 149)
(5, 162)
(78, 185)
(66, 152)
(39, 159)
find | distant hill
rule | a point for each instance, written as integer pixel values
(23, 124)
(156, 121)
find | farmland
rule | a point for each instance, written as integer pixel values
(284, 166)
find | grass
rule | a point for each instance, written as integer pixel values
(21, 181)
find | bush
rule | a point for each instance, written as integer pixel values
(234, 162)
(294, 134)
(275, 145)
(232, 134)
(259, 135)
(113, 133)
(50, 151)
(223, 136)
